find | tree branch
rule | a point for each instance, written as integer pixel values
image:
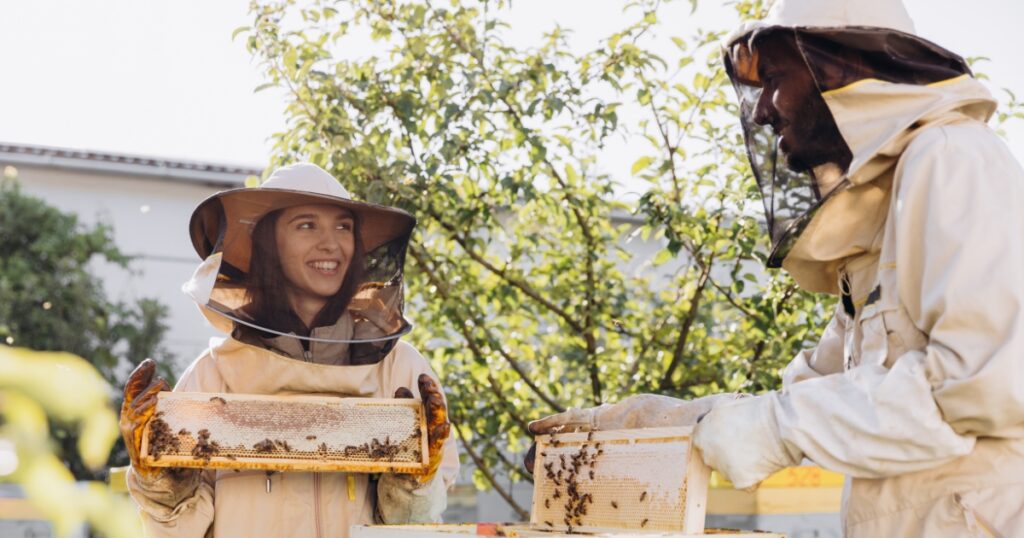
(442, 287)
(684, 332)
(484, 470)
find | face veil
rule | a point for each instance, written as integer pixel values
(831, 59)
(242, 290)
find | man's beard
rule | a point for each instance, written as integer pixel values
(819, 142)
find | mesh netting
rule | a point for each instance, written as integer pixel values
(231, 430)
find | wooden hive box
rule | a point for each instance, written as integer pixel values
(644, 480)
(286, 433)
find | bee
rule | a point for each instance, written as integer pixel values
(547, 503)
(643, 523)
(230, 457)
(219, 400)
(556, 494)
(615, 505)
(183, 431)
(643, 496)
(590, 435)
(310, 437)
(591, 474)
(548, 523)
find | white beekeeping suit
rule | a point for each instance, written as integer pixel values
(352, 349)
(916, 389)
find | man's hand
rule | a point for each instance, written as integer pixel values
(436, 414)
(638, 411)
(138, 407)
(741, 441)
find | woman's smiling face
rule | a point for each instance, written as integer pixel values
(315, 245)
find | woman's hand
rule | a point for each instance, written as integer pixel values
(136, 410)
(438, 427)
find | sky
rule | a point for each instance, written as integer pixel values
(165, 79)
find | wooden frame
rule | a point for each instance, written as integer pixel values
(301, 458)
(588, 482)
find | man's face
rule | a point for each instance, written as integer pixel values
(792, 106)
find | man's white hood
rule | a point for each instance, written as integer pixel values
(877, 118)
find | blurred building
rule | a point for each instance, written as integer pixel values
(148, 202)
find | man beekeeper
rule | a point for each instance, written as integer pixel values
(883, 185)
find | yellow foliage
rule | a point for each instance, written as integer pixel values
(35, 386)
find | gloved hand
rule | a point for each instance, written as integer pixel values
(438, 427)
(637, 411)
(164, 485)
(740, 440)
(136, 410)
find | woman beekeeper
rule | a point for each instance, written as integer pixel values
(308, 283)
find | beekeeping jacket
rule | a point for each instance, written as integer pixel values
(358, 356)
(916, 389)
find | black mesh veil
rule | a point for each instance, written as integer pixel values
(834, 59)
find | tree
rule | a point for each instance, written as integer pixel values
(525, 294)
(51, 301)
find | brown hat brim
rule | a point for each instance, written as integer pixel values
(238, 210)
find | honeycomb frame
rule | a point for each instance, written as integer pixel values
(286, 433)
(640, 480)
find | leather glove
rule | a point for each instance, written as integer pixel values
(740, 440)
(637, 411)
(168, 486)
(438, 427)
(137, 409)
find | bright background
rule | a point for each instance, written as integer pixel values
(165, 78)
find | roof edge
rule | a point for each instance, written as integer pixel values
(202, 173)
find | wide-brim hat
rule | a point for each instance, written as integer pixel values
(225, 220)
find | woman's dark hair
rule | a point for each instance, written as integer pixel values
(266, 285)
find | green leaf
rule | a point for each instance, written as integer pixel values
(663, 256)
(640, 164)
(290, 59)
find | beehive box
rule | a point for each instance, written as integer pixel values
(286, 433)
(640, 480)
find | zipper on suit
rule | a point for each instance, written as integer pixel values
(316, 503)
